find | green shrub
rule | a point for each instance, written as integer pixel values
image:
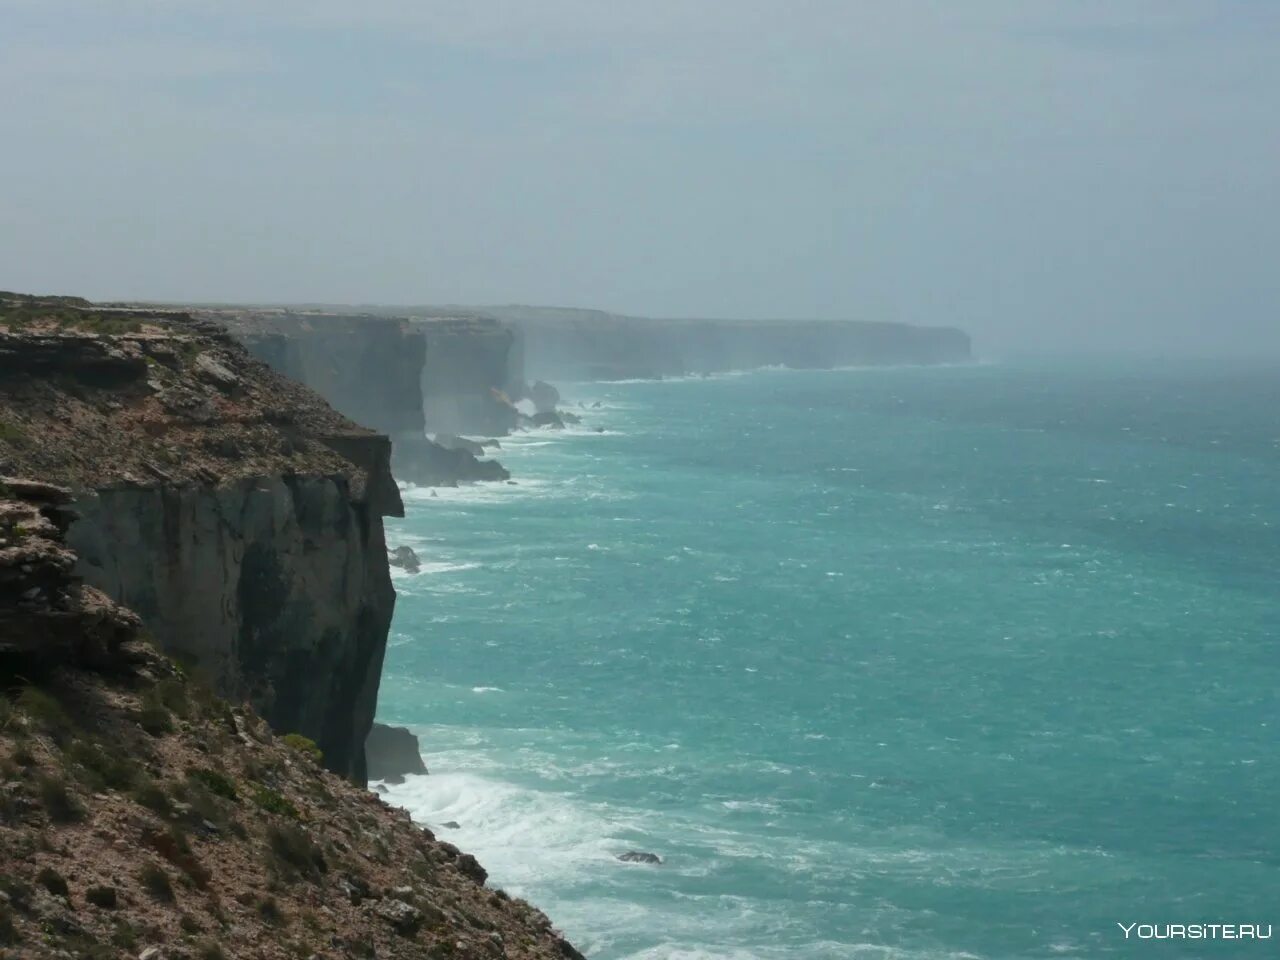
(103, 897)
(269, 910)
(153, 716)
(305, 746)
(9, 934)
(152, 795)
(156, 882)
(23, 756)
(210, 950)
(293, 851)
(45, 711)
(59, 803)
(125, 935)
(173, 695)
(12, 434)
(103, 769)
(52, 881)
(274, 802)
(219, 784)
(17, 891)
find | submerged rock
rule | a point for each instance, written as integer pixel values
(639, 856)
(405, 559)
(451, 442)
(432, 464)
(391, 753)
(547, 418)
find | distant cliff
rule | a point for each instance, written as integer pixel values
(231, 508)
(570, 344)
(404, 377)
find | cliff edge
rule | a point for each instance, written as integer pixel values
(143, 816)
(232, 509)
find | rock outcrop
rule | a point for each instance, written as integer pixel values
(405, 559)
(544, 397)
(141, 816)
(230, 508)
(47, 614)
(392, 754)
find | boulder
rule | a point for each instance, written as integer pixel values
(391, 753)
(405, 559)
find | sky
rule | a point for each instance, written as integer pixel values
(1098, 175)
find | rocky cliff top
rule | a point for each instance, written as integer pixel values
(141, 816)
(96, 397)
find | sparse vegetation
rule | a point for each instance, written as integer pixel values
(155, 881)
(58, 802)
(172, 695)
(269, 910)
(275, 802)
(104, 897)
(44, 710)
(293, 852)
(219, 784)
(304, 745)
(8, 930)
(152, 795)
(154, 715)
(101, 767)
(52, 881)
(12, 434)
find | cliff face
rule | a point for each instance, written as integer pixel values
(275, 588)
(402, 377)
(142, 816)
(232, 509)
(591, 344)
(468, 369)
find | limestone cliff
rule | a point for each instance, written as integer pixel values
(404, 377)
(591, 344)
(232, 509)
(143, 816)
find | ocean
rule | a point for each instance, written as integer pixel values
(954, 662)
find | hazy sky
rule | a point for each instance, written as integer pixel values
(1090, 173)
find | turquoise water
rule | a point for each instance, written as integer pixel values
(919, 663)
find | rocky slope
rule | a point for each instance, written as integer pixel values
(570, 344)
(232, 509)
(142, 816)
(404, 377)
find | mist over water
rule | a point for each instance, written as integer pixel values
(953, 662)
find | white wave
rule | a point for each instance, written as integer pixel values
(430, 568)
(526, 838)
(476, 493)
(487, 690)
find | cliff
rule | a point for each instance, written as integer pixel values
(232, 509)
(403, 377)
(568, 344)
(143, 816)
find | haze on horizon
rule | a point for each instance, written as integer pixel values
(1050, 176)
